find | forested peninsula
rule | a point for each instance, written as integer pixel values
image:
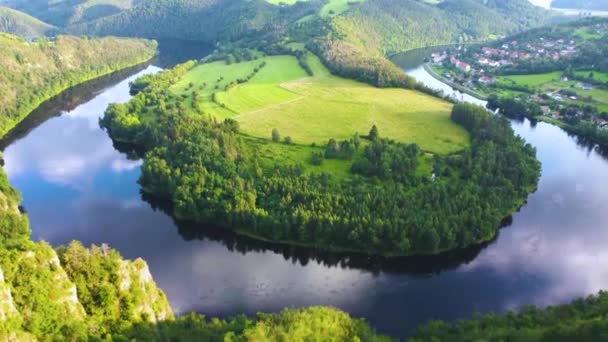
(367, 193)
(32, 72)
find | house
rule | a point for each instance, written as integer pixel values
(587, 87)
(463, 66)
(494, 64)
(545, 109)
(505, 62)
(486, 79)
(556, 115)
(483, 60)
(438, 58)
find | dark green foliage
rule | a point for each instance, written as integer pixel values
(581, 320)
(276, 136)
(202, 20)
(374, 134)
(574, 118)
(64, 62)
(388, 160)
(384, 208)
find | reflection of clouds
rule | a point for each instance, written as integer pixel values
(71, 149)
(559, 237)
(120, 165)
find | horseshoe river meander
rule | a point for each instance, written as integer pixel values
(76, 185)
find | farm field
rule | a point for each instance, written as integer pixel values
(598, 76)
(314, 109)
(533, 81)
(333, 7)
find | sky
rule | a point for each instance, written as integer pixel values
(543, 3)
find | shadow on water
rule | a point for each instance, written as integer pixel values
(172, 52)
(424, 265)
(67, 101)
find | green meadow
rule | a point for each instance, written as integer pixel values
(534, 80)
(312, 109)
(332, 7)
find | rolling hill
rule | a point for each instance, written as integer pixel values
(390, 25)
(21, 24)
(66, 12)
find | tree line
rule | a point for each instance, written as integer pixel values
(210, 174)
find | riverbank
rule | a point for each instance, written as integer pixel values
(40, 71)
(427, 67)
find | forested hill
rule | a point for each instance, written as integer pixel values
(21, 24)
(581, 320)
(597, 5)
(394, 25)
(75, 293)
(31, 72)
(203, 20)
(65, 12)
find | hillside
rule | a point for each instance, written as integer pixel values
(597, 5)
(396, 25)
(388, 25)
(76, 294)
(581, 320)
(21, 24)
(31, 72)
(65, 12)
(203, 20)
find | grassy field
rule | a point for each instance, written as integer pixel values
(336, 7)
(534, 81)
(598, 76)
(333, 7)
(313, 109)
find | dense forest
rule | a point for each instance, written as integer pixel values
(31, 72)
(62, 13)
(21, 24)
(581, 320)
(77, 294)
(393, 26)
(211, 174)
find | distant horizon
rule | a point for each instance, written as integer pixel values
(542, 3)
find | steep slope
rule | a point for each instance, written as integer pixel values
(21, 24)
(64, 12)
(33, 72)
(204, 20)
(397, 25)
(80, 294)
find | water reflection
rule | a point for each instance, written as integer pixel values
(415, 265)
(76, 185)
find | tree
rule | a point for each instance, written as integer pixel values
(276, 136)
(356, 141)
(332, 150)
(373, 134)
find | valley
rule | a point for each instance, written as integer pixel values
(286, 166)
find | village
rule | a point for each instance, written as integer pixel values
(479, 65)
(506, 68)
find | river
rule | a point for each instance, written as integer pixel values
(76, 185)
